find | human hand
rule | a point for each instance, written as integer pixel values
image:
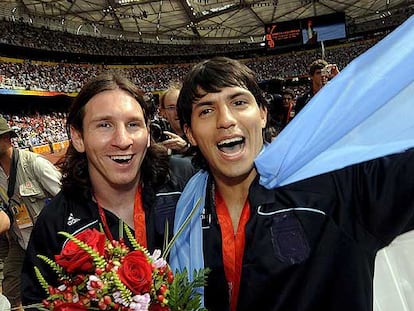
(4, 222)
(329, 72)
(175, 142)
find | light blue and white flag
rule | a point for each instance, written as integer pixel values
(365, 112)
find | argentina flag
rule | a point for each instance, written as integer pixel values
(365, 112)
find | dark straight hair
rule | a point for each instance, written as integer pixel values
(210, 76)
(76, 181)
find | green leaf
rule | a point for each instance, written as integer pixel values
(183, 293)
(42, 280)
(134, 242)
(55, 267)
(166, 232)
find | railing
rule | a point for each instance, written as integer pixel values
(51, 148)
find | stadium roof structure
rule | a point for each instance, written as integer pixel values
(188, 21)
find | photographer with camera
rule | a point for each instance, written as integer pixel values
(27, 181)
(174, 137)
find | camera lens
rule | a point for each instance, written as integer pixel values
(156, 132)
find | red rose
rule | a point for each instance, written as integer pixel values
(69, 306)
(136, 272)
(75, 259)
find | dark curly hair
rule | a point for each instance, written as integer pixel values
(211, 76)
(76, 181)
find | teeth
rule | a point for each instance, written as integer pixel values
(121, 158)
(230, 141)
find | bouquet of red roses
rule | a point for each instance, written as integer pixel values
(97, 274)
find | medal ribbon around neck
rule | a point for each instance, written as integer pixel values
(139, 219)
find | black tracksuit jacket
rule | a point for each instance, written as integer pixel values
(63, 214)
(311, 245)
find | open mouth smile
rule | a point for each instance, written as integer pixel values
(121, 158)
(231, 145)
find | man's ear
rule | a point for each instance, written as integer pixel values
(77, 140)
(263, 116)
(189, 133)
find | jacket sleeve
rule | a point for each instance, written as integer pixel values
(378, 196)
(48, 175)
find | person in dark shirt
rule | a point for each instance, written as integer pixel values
(309, 245)
(113, 174)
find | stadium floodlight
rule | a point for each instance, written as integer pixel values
(123, 2)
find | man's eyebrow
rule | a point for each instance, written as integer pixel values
(102, 117)
(238, 93)
(202, 103)
(231, 96)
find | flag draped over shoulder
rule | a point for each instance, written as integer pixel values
(187, 251)
(365, 112)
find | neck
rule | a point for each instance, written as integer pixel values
(235, 193)
(119, 202)
(316, 88)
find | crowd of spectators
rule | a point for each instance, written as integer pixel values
(295, 64)
(37, 129)
(58, 77)
(22, 34)
(65, 77)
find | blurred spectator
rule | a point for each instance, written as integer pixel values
(320, 71)
(27, 180)
(176, 141)
(288, 106)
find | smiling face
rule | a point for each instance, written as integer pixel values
(227, 127)
(115, 139)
